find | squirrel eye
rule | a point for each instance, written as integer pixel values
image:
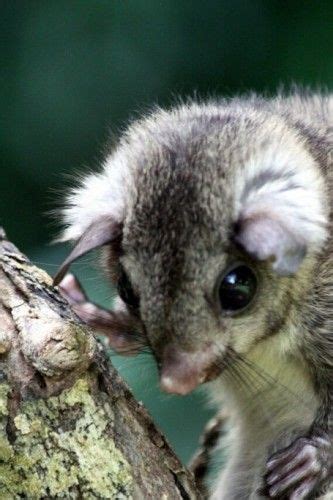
(237, 288)
(126, 291)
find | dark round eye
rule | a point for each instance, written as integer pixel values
(237, 288)
(126, 291)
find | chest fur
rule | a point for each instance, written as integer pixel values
(271, 400)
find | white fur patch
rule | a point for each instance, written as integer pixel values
(98, 195)
(281, 192)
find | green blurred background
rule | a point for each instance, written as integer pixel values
(74, 71)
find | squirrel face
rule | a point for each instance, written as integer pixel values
(215, 208)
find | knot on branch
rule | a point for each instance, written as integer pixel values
(45, 344)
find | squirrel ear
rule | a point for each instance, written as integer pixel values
(281, 205)
(264, 237)
(99, 233)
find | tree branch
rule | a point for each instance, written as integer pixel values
(69, 426)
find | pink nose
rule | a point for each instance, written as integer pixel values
(183, 371)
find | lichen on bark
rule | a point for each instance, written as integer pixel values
(62, 447)
(69, 426)
(6, 450)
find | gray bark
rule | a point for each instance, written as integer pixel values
(69, 426)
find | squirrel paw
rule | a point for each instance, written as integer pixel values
(298, 470)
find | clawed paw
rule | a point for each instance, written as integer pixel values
(298, 470)
(122, 330)
(72, 290)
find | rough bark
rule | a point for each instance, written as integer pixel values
(69, 426)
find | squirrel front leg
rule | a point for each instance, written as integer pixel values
(122, 329)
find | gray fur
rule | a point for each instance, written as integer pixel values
(199, 187)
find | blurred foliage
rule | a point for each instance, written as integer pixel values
(71, 71)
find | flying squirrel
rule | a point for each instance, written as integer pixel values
(215, 222)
